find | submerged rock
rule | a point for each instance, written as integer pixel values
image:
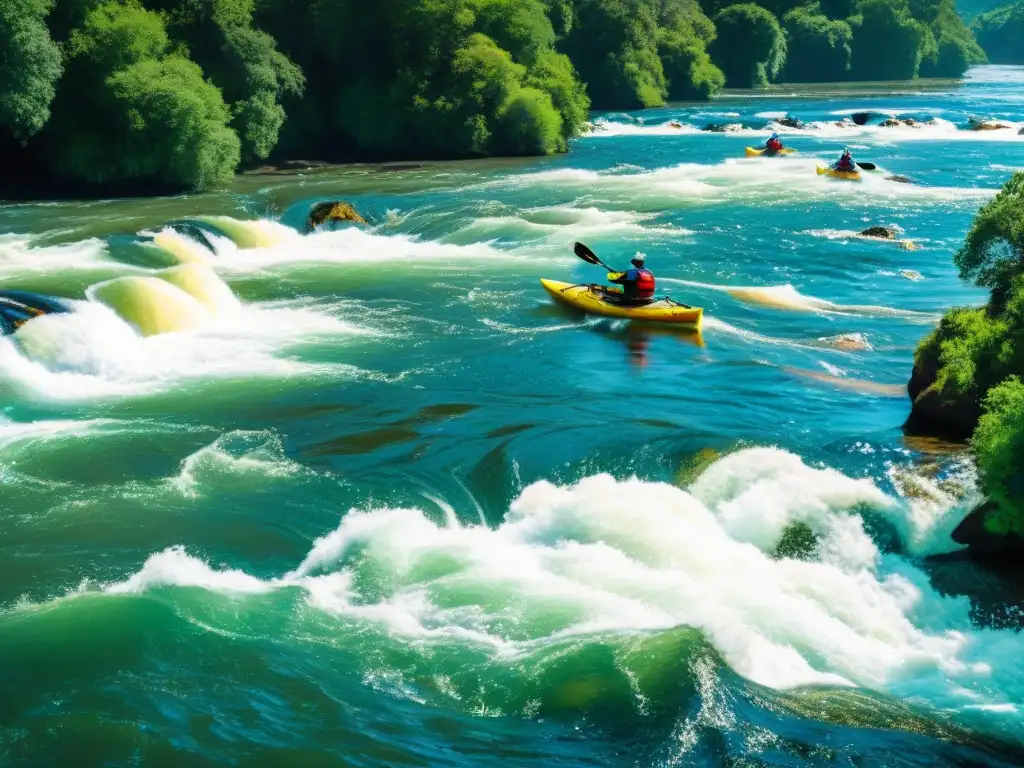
(884, 233)
(860, 118)
(332, 211)
(18, 307)
(900, 179)
(895, 122)
(988, 125)
(791, 122)
(723, 127)
(845, 123)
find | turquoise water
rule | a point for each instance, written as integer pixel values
(366, 497)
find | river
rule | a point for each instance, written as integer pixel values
(367, 497)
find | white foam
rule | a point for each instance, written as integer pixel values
(91, 352)
(18, 256)
(605, 558)
(354, 246)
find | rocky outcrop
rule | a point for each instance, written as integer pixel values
(791, 122)
(934, 410)
(987, 125)
(983, 544)
(845, 123)
(884, 233)
(895, 122)
(332, 211)
(860, 118)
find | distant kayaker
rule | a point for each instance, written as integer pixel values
(638, 283)
(774, 144)
(845, 162)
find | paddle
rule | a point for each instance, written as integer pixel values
(867, 166)
(589, 256)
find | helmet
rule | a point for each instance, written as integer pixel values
(846, 150)
(775, 135)
(638, 260)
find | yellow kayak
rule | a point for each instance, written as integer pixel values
(586, 298)
(852, 175)
(752, 152)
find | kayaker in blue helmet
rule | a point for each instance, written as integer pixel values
(845, 162)
(637, 283)
(774, 144)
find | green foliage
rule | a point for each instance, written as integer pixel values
(750, 47)
(998, 444)
(528, 124)
(889, 43)
(689, 72)
(30, 64)
(152, 116)
(1001, 33)
(553, 73)
(819, 48)
(118, 34)
(521, 27)
(614, 47)
(993, 253)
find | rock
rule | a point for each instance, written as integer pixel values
(791, 122)
(910, 274)
(989, 125)
(983, 544)
(885, 233)
(332, 211)
(891, 122)
(1020, 132)
(845, 123)
(900, 179)
(860, 118)
(895, 122)
(18, 307)
(723, 127)
(674, 124)
(933, 411)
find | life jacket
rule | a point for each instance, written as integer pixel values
(644, 284)
(774, 144)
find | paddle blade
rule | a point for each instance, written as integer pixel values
(867, 166)
(586, 254)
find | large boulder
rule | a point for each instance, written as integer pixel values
(935, 411)
(884, 233)
(791, 122)
(332, 211)
(983, 544)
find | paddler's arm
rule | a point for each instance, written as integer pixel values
(617, 277)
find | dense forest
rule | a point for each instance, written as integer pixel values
(966, 373)
(1001, 33)
(177, 94)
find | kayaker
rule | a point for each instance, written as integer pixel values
(845, 162)
(637, 283)
(774, 144)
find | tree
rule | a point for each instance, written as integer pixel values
(750, 47)
(818, 47)
(888, 45)
(998, 444)
(30, 65)
(152, 116)
(614, 47)
(689, 71)
(993, 252)
(1001, 33)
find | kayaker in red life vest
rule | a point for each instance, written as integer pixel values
(845, 162)
(774, 144)
(637, 284)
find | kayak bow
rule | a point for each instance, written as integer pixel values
(753, 152)
(851, 175)
(584, 297)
